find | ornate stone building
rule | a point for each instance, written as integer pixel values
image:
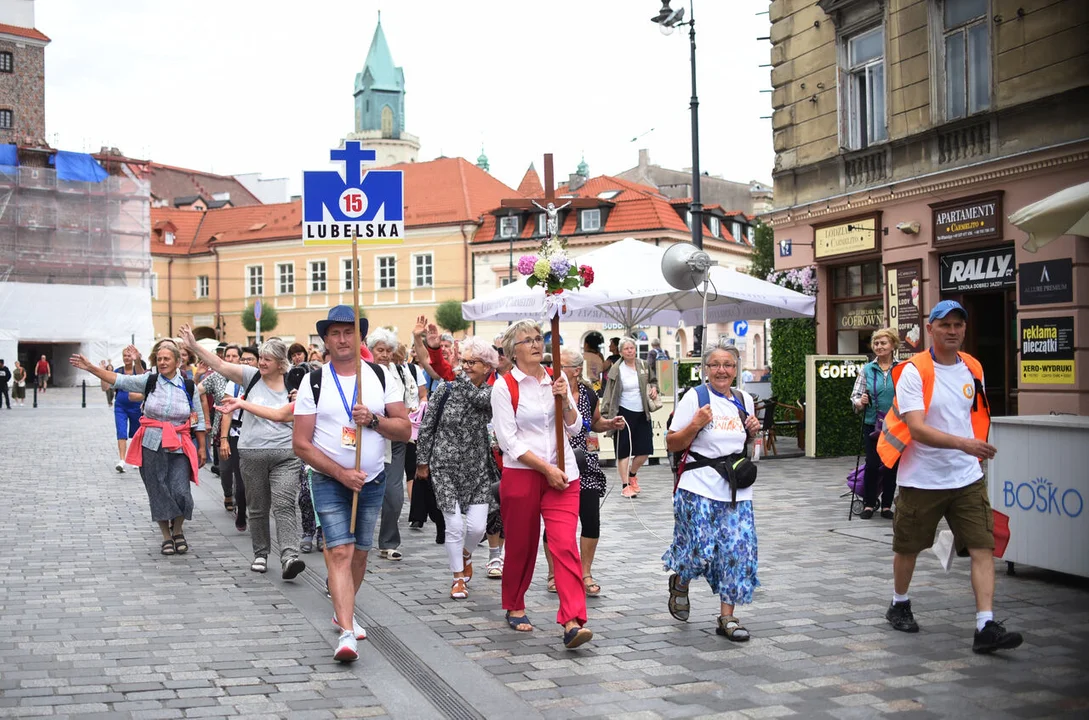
(22, 75)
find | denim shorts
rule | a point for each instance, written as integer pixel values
(333, 504)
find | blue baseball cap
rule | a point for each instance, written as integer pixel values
(945, 307)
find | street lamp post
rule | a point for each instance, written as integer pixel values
(667, 19)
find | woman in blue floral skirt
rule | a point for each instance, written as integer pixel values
(714, 534)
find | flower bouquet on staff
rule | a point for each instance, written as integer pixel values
(553, 270)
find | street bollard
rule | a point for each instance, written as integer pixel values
(35, 394)
(84, 394)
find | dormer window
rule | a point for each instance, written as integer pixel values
(735, 230)
(608, 194)
(591, 220)
(508, 226)
(715, 226)
(542, 224)
(168, 237)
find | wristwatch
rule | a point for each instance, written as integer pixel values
(373, 424)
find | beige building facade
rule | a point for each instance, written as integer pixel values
(906, 132)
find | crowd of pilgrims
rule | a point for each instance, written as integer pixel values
(480, 465)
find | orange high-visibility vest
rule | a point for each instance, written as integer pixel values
(895, 436)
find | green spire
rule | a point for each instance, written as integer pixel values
(482, 161)
(384, 74)
(583, 169)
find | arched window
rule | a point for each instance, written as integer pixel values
(387, 122)
(757, 352)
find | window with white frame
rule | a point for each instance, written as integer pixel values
(285, 279)
(591, 220)
(750, 234)
(318, 276)
(506, 280)
(715, 226)
(863, 96)
(735, 230)
(348, 276)
(202, 286)
(688, 219)
(154, 284)
(255, 287)
(508, 226)
(967, 57)
(387, 272)
(542, 224)
(424, 275)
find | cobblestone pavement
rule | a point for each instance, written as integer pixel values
(95, 623)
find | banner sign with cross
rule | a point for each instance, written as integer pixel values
(370, 206)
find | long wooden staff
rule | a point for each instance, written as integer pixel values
(358, 366)
(557, 367)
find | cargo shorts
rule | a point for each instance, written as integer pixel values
(966, 509)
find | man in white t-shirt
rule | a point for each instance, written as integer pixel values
(325, 439)
(938, 429)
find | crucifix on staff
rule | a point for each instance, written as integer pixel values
(552, 269)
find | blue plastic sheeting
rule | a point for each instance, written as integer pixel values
(79, 167)
(9, 155)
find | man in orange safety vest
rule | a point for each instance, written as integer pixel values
(937, 429)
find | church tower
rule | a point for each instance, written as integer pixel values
(380, 106)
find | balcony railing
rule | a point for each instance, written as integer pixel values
(866, 168)
(962, 143)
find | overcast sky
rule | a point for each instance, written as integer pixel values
(239, 86)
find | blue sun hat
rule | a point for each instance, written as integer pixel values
(341, 314)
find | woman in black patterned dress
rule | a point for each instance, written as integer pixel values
(592, 480)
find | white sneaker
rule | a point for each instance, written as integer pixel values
(347, 648)
(120, 466)
(359, 630)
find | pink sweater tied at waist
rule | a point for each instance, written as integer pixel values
(174, 437)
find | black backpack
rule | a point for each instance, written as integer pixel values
(315, 379)
(236, 423)
(153, 382)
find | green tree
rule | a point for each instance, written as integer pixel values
(448, 316)
(763, 251)
(269, 318)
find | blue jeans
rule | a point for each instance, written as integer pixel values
(333, 504)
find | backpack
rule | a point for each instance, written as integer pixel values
(236, 423)
(153, 382)
(512, 385)
(315, 380)
(679, 461)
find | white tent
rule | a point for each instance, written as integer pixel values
(1064, 213)
(629, 289)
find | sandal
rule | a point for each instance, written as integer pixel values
(390, 554)
(732, 629)
(467, 565)
(168, 548)
(551, 583)
(228, 504)
(319, 542)
(678, 598)
(259, 564)
(180, 545)
(576, 636)
(495, 568)
(458, 591)
(520, 623)
(592, 588)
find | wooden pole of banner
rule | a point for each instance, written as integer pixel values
(557, 368)
(358, 366)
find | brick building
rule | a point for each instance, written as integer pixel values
(22, 75)
(906, 132)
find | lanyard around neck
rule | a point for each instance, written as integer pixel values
(343, 399)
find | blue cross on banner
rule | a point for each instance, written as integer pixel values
(741, 328)
(371, 204)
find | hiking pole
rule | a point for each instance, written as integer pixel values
(858, 457)
(358, 366)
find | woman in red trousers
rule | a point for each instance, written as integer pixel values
(532, 487)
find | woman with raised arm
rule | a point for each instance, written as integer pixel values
(163, 447)
(269, 467)
(532, 486)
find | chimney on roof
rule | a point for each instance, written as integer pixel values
(575, 181)
(644, 158)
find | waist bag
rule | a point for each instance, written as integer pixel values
(736, 469)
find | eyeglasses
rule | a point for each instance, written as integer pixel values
(531, 341)
(722, 366)
(471, 362)
(573, 367)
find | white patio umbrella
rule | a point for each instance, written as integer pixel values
(629, 289)
(1064, 213)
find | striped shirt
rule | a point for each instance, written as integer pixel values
(168, 403)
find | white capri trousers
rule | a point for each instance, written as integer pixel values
(464, 532)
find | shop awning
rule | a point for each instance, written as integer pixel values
(1064, 213)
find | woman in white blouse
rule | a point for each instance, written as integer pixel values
(628, 394)
(532, 486)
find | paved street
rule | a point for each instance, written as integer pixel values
(95, 623)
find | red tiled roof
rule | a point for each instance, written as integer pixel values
(531, 184)
(186, 224)
(169, 182)
(636, 208)
(448, 191)
(23, 32)
(279, 221)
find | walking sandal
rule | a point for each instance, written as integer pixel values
(551, 583)
(520, 623)
(592, 588)
(732, 629)
(180, 545)
(678, 598)
(168, 547)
